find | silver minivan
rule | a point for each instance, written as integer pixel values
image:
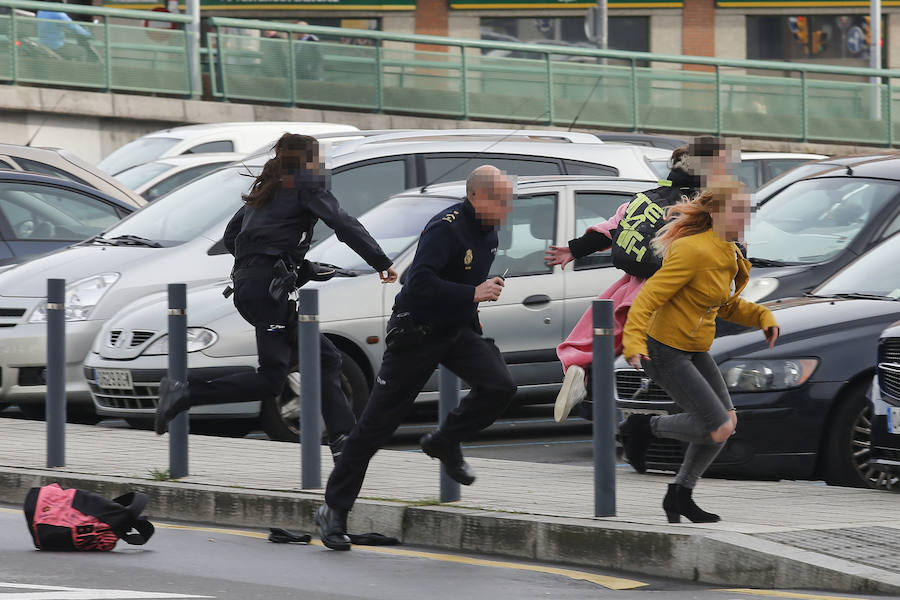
(178, 238)
(538, 308)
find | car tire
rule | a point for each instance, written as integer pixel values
(846, 447)
(280, 417)
(34, 412)
(144, 424)
(82, 415)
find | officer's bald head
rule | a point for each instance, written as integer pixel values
(490, 191)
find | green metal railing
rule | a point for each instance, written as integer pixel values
(532, 83)
(121, 54)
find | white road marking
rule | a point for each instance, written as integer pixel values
(53, 592)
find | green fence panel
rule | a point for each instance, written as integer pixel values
(424, 82)
(507, 88)
(671, 100)
(592, 94)
(148, 60)
(761, 106)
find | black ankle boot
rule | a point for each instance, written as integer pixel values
(679, 501)
(332, 524)
(636, 439)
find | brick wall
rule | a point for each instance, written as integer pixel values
(698, 30)
(432, 18)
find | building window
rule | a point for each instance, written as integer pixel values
(833, 39)
(625, 33)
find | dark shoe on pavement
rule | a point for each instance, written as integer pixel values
(174, 397)
(450, 454)
(679, 501)
(636, 439)
(332, 524)
(337, 446)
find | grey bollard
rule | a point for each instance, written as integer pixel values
(178, 428)
(310, 390)
(448, 385)
(56, 373)
(602, 394)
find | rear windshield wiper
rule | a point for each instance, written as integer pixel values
(135, 240)
(97, 239)
(765, 262)
(863, 296)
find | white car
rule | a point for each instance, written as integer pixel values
(211, 137)
(538, 307)
(178, 239)
(159, 177)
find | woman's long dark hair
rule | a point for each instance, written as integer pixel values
(293, 152)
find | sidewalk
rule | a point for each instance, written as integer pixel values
(773, 534)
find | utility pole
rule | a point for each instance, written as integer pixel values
(875, 55)
(596, 25)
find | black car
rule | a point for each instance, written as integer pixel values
(802, 409)
(39, 214)
(814, 227)
(884, 399)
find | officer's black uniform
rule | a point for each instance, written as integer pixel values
(257, 237)
(454, 256)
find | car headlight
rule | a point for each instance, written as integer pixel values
(749, 375)
(758, 288)
(81, 298)
(198, 339)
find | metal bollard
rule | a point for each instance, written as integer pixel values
(602, 394)
(56, 373)
(448, 386)
(179, 426)
(310, 390)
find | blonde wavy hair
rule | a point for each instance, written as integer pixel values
(694, 215)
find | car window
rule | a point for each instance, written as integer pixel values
(361, 188)
(440, 168)
(529, 230)
(138, 175)
(45, 169)
(137, 152)
(660, 167)
(875, 272)
(5, 166)
(38, 212)
(574, 167)
(813, 220)
(779, 166)
(219, 146)
(179, 179)
(592, 208)
(747, 173)
(892, 228)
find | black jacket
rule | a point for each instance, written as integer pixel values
(682, 184)
(284, 224)
(454, 256)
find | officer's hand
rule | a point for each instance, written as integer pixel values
(558, 255)
(489, 290)
(389, 276)
(771, 335)
(635, 361)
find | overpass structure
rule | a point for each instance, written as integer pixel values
(149, 53)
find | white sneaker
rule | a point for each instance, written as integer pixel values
(571, 393)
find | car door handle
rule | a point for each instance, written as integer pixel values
(536, 300)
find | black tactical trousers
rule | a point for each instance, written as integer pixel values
(276, 344)
(474, 359)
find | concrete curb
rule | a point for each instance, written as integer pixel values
(693, 554)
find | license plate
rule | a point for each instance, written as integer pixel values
(114, 379)
(893, 419)
(627, 412)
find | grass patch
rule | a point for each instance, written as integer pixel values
(159, 474)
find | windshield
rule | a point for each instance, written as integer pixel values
(135, 153)
(137, 176)
(875, 273)
(785, 179)
(813, 220)
(189, 211)
(395, 225)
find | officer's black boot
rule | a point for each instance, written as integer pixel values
(332, 524)
(174, 397)
(337, 446)
(450, 454)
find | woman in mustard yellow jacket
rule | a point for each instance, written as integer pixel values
(671, 326)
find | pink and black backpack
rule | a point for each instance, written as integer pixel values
(72, 519)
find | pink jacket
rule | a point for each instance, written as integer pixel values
(576, 349)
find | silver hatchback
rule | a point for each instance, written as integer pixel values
(538, 308)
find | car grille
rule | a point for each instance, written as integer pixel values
(890, 351)
(665, 452)
(117, 337)
(889, 380)
(9, 316)
(629, 381)
(143, 395)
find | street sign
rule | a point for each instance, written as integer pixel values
(856, 40)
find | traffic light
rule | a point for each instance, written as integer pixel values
(819, 42)
(867, 29)
(800, 28)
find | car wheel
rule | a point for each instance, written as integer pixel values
(280, 417)
(35, 412)
(847, 447)
(142, 424)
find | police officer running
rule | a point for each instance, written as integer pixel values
(273, 229)
(434, 321)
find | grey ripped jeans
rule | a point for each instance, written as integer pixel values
(694, 382)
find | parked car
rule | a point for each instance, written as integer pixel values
(159, 177)
(211, 137)
(179, 238)
(643, 139)
(56, 162)
(801, 406)
(39, 214)
(884, 403)
(812, 228)
(538, 308)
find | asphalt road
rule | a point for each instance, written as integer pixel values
(195, 561)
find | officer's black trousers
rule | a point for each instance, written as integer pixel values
(474, 359)
(276, 344)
